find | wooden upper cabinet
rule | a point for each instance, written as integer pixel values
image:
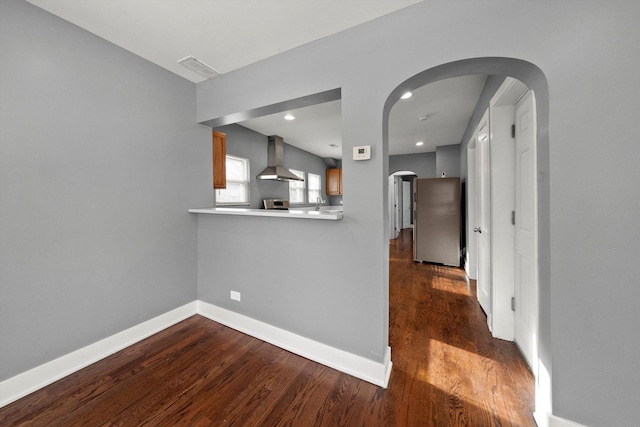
(334, 182)
(219, 160)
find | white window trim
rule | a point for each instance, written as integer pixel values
(301, 174)
(247, 184)
(309, 189)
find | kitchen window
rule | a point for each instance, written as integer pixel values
(296, 188)
(237, 191)
(314, 187)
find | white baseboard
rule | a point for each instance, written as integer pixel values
(374, 372)
(549, 420)
(27, 382)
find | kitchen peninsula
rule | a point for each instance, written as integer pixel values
(324, 213)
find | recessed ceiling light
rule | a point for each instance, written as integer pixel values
(406, 95)
(423, 118)
(419, 143)
(289, 117)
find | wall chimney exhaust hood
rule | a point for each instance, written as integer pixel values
(275, 170)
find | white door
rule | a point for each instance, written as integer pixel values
(393, 232)
(526, 280)
(483, 229)
(395, 196)
(471, 265)
(406, 204)
(398, 205)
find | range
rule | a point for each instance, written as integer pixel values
(276, 204)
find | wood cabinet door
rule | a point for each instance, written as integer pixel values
(219, 160)
(334, 182)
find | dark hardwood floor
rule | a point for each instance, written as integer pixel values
(448, 371)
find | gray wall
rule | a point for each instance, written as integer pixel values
(243, 142)
(97, 172)
(448, 160)
(100, 158)
(582, 64)
(423, 164)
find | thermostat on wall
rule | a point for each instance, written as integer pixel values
(362, 152)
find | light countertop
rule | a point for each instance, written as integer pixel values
(303, 213)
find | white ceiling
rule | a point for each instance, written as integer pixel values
(225, 36)
(447, 105)
(314, 130)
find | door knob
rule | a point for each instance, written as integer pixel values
(477, 230)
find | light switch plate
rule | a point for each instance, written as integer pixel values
(362, 152)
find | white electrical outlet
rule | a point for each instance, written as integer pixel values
(235, 295)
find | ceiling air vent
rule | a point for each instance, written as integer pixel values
(199, 67)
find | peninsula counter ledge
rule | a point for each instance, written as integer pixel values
(291, 213)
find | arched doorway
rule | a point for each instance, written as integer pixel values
(535, 80)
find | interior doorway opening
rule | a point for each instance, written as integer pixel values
(533, 79)
(400, 202)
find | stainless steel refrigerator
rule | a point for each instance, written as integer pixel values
(436, 229)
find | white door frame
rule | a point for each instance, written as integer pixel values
(526, 259)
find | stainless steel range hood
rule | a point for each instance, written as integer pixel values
(275, 170)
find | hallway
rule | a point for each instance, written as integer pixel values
(444, 357)
(447, 371)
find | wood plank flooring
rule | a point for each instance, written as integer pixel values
(447, 371)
